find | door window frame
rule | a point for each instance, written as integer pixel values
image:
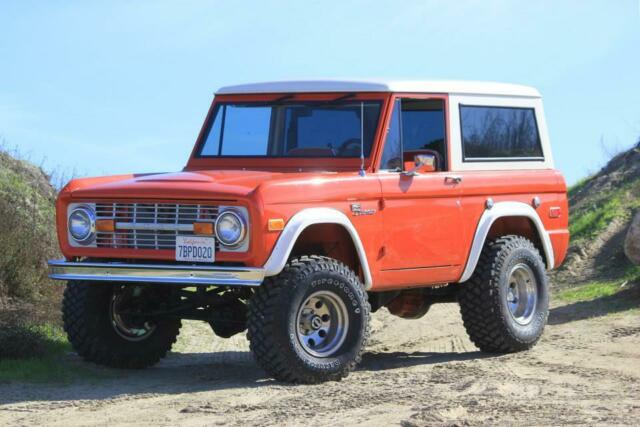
(387, 124)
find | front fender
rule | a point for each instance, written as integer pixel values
(297, 224)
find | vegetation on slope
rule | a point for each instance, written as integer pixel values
(27, 229)
(601, 209)
(593, 217)
(43, 344)
(600, 289)
(29, 301)
(38, 353)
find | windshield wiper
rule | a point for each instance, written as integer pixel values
(282, 98)
(339, 99)
(289, 96)
(276, 101)
(342, 98)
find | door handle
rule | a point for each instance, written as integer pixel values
(456, 179)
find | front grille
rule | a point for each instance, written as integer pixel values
(150, 225)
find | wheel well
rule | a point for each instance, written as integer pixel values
(332, 240)
(519, 226)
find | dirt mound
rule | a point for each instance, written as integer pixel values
(27, 238)
(601, 209)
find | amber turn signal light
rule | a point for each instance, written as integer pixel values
(276, 224)
(203, 228)
(555, 212)
(105, 225)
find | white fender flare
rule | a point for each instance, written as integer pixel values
(297, 224)
(500, 210)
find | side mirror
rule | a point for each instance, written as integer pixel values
(422, 163)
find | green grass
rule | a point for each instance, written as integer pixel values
(591, 222)
(575, 188)
(590, 291)
(50, 366)
(619, 203)
(594, 290)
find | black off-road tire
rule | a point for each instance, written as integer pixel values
(87, 322)
(272, 328)
(483, 297)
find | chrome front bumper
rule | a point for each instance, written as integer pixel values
(153, 273)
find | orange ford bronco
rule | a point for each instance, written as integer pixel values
(307, 205)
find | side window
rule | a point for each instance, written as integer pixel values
(423, 125)
(416, 125)
(499, 134)
(392, 154)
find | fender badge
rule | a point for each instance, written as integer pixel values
(356, 209)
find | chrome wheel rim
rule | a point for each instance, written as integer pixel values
(522, 294)
(124, 328)
(322, 324)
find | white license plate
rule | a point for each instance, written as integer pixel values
(195, 248)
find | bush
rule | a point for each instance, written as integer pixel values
(28, 342)
(37, 354)
(27, 230)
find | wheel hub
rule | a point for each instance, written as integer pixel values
(322, 324)
(522, 294)
(124, 326)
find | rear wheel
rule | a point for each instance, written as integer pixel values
(102, 327)
(311, 322)
(505, 304)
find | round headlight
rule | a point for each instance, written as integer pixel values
(230, 228)
(82, 224)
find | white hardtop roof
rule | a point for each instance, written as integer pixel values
(426, 86)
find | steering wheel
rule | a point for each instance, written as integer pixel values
(349, 144)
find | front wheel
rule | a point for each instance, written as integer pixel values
(505, 304)
(102, 327)
(311, 322)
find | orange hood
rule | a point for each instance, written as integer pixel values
(225, 184)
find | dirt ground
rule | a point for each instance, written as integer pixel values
(585, 370)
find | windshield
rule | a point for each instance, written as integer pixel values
(297, 129)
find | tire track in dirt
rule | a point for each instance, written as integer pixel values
(415, 372)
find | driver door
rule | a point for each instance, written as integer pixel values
(422, 214)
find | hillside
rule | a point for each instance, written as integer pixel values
(601, 208)
(27, 239)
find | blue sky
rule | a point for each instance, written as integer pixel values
(120, 86)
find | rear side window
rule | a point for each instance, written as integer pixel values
(499, 134)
